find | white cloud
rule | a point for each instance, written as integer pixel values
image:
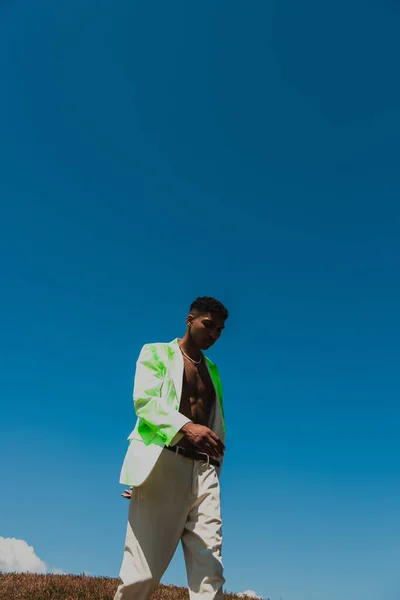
(250, 594)
(17, 556)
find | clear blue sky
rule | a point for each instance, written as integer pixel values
(154, 152)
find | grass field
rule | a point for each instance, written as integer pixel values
(28, 586)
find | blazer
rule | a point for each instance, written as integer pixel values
(157, 395)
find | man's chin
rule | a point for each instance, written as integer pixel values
(207, 345)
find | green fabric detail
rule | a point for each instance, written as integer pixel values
(218, 386)
(155, 400)
(170, 352)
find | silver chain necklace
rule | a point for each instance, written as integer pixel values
(196, 362)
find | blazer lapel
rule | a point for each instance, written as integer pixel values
(176, 368)
(219, 421)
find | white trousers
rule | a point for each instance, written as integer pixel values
(180, 500)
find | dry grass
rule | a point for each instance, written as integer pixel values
(28, 586)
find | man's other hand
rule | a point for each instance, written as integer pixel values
(128, 493)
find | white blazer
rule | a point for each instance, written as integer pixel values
(157, 395)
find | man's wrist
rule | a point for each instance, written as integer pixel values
(186, 427)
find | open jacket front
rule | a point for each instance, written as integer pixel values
(157, 395)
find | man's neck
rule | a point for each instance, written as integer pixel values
(189, 347)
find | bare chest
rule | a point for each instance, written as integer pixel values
(198, 393)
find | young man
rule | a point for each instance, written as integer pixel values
(174, 461)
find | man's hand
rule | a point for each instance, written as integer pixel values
(128, 493)
(204, 439)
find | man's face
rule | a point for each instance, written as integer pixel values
(206, 329)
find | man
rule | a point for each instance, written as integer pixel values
(174, 460)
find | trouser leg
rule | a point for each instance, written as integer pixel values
(202, 537)
(157, 515)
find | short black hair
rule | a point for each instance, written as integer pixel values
(207, 304)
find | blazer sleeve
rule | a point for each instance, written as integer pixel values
(150, 406)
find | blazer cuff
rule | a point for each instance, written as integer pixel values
(181, 422)
(177, 438)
